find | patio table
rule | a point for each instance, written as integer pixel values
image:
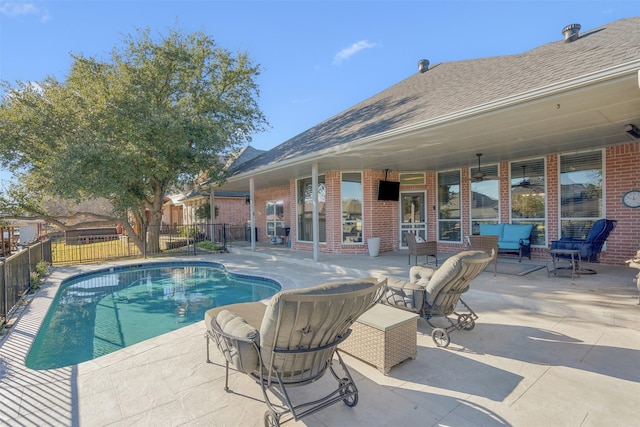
(383, 337)
(576, 261)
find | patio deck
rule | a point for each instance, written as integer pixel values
(545, 350)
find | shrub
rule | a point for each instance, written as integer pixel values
(189, 232)
(210, 246)
(42, 268)
(35, 281)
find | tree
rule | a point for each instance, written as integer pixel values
(155, 116)
(204, 211)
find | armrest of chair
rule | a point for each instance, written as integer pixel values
(237, 340)
(567, 244)
(402, 294)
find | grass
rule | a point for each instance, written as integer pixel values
(63, 254)
(209, 246)
(66, 254)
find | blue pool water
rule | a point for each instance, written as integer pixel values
(101, 312)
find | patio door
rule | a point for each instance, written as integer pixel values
(413, 215)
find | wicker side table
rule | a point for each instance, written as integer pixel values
(383, 337)
(487, 244)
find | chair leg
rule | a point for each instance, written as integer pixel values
(206, 335)
(226, 376)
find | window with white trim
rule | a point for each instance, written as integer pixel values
(410, 178)
(528, 197)
(485, 198)
(449, 206)
(351, 196)
(581, 185)
(304, 199)
(274, 215)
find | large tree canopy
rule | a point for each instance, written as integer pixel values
(160, 112)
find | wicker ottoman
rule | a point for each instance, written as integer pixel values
(383, 337)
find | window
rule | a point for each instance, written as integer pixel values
(351, 193)
(485, 199)
(412, 178)
(274, 213)
(528, 202)
(449, 206)
(581, 201)
(305, 210)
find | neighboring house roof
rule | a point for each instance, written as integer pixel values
(231, 194)
(428, 109)
(243, 155)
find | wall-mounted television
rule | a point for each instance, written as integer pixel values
(388, 190)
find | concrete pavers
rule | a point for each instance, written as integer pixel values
(544, 351)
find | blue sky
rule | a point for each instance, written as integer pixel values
(318, 57)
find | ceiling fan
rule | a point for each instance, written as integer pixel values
(481, 176)
(526, 182)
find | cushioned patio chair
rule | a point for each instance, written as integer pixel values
(436, 293)
(421, 248)
(292, 341)
(591, 246)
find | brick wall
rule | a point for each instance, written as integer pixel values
(380, 218)
(622, 173)
(231, 210)
(270, 194)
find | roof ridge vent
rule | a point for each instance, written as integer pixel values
(570, 32)
(423, 65)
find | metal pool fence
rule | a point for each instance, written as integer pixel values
(82, 247)
(174, 240)
(15, 275)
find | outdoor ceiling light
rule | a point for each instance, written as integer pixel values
(632, 131)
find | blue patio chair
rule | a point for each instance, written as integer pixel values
(590, 247)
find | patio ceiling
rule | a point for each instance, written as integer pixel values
(586, 113)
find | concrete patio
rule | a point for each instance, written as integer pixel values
(545, 351)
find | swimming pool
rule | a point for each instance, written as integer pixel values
(96, 313)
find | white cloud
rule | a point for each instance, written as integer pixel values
(14, 9)
(348, 52)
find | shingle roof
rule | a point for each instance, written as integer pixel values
(455, 86)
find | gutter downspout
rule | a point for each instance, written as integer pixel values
(253, 216)
(316, 222)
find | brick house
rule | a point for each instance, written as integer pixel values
(556, 126)
(233, 209)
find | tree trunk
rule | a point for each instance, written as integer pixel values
(155, 220)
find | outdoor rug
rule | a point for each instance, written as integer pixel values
(504, 267)
(515, 268)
